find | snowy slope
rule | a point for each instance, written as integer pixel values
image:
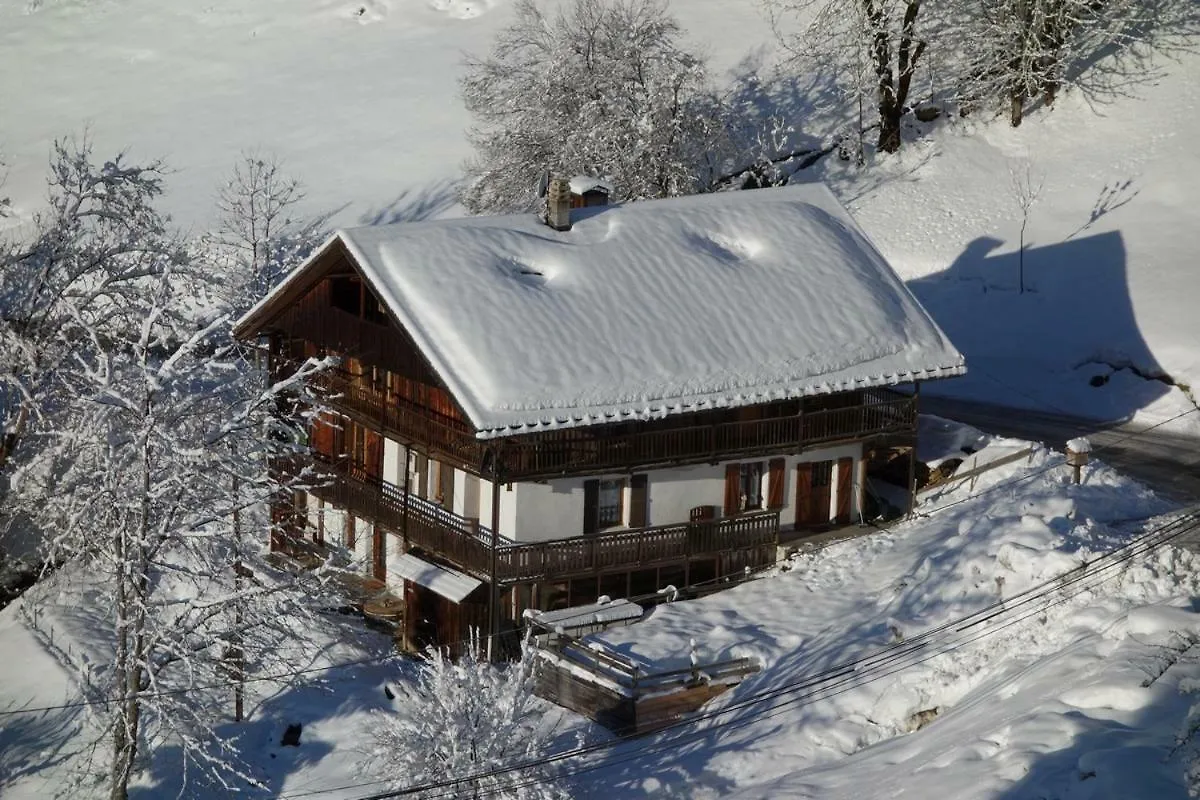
(1096, 683)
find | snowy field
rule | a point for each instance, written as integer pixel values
(359, 99)
(1083, 692)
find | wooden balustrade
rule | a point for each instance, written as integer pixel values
(430, 527)
(592, 449)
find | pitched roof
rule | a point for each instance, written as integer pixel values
(648, 309)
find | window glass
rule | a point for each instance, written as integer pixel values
(609, 508)
(751, 488)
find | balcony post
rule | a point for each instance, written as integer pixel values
(494, 589)
(912, 453)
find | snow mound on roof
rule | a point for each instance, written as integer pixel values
(650, 308)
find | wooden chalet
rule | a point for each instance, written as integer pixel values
(533, 418)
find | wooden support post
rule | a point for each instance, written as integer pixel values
(494, 590)
(912, 454)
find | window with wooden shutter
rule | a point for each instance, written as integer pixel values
(591, 504)
(775, 483)
(733, 488)
(373, 450)
(639, 497)
(610, 511)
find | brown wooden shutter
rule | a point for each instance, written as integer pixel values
(804, 494)
(639, 513)
(373, 448)
(446, 485)
(733, 489)
(420, 470)
(775, 483)
(351, 530)
(591, 506)
(321, 437)
(379, 552)
(845, 488)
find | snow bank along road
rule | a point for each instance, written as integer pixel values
(1158, 456)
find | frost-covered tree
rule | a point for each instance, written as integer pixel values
(143, 462)
(260, 234)
(464, 718)
(603, 88)
(873, 47)
(1018, 51)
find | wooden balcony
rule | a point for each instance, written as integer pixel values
(468, 545)
(696, 438)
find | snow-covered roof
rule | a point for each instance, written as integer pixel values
(581, 184)
(649, 309)
(587, 615)
(449, 583)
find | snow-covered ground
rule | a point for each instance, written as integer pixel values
(1084, 693)
(359, 99)
(1083, 698)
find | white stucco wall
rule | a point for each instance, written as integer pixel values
(393, 549)
(508, 507)
(554, 509)
(335, 526)
(393, 462)
(362, 545)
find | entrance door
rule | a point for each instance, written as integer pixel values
(814, 482)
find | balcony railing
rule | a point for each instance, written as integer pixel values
(599, 448)
(430, 527)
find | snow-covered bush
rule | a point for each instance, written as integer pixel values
(459, 719)
(604, 88)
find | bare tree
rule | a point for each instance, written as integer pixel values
(1026, 188)
(260, 235)
(146, 442)
(874, 47)
(1020, 51)
(604, 89)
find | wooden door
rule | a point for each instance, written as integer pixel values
(813, 486)
(845, 489)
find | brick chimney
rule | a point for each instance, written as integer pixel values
(558, 204)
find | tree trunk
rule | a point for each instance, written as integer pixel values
(1016, 109)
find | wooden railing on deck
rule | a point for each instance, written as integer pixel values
(591, 449)
(437, 530)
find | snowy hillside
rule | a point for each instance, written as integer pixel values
(360, 100)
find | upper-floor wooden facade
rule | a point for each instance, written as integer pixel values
(385, 382)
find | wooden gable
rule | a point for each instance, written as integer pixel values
(335, 309)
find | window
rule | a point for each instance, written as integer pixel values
(346, 294)
(609, 505)
(822, 474)
(750, 486)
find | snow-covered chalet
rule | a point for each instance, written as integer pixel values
(534, 411)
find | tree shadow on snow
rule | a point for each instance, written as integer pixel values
(414, 205)
(1069, 344)
(320, 699)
